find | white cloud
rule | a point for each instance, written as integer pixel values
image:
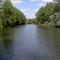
(36, 10)
(16, 1)
(42, 0)
(30, 16)
(47, 0)
(27, 14)
(33, 0)
(41, 4)
(23, 10)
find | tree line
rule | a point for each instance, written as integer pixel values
(9, 15)
(50, 13)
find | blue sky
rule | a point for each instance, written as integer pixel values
(29, 7)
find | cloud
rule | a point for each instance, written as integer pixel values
(47, 0)
(33, 0)
(36, 10)
(41, 0)
(27, 14)
(22, 10)
(41, 4)
(16, 1)
(30, 16)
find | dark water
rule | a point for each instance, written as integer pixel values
(30, 42)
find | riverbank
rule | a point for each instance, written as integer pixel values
(48, 25)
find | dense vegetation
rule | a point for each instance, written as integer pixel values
(32, 21)
(49, 14)
(9, 15)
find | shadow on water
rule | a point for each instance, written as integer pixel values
(6, 36)
(56, 35)
(51, 36)
(6, 41)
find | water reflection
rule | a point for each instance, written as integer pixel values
(51, 40)
(30, 43)
(6, 40)
(56, 36)
(6, 37)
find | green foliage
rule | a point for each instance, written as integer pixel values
(49, 14)
(32, 21)
(55, 18)
(43, 14)
(10, 16)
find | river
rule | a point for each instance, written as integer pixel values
(30, 42)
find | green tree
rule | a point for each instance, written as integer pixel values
(55, 18)
(44, 12)
(11, 15)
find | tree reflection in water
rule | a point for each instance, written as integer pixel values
(6, 37)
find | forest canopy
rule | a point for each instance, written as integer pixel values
(50, 13)
(9, 15)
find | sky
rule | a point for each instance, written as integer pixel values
(29, 7)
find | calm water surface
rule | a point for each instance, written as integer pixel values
(30, 42)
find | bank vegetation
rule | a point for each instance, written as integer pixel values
(10, 15)
(49, 15)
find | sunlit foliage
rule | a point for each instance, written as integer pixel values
(10, 16)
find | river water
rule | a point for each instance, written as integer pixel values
(30, 42)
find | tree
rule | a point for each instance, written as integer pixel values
(11, 15)
(54, 18)
(44, 12)
(57, 5)
(57, 1)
